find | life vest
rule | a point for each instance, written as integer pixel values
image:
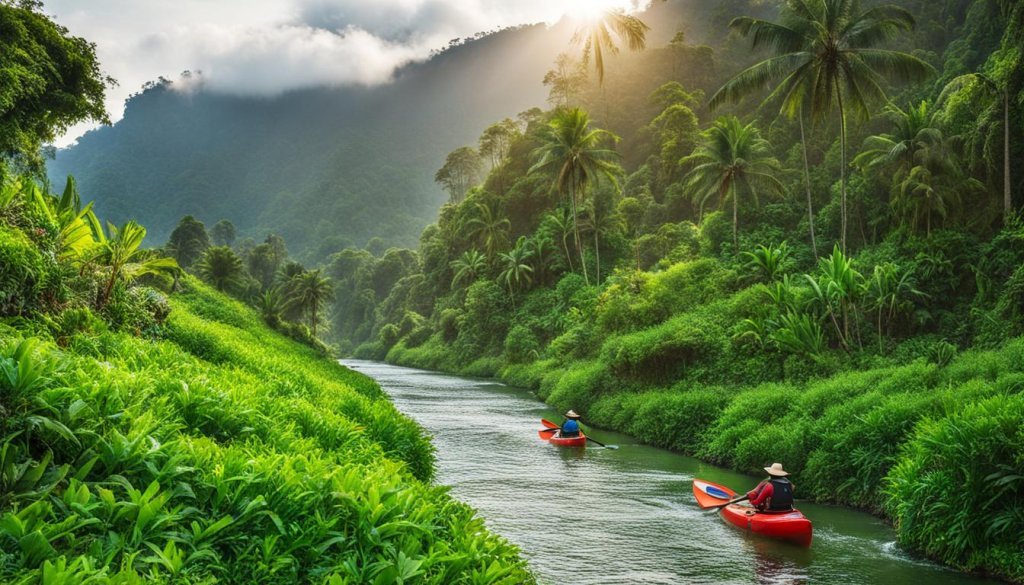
(782, 494)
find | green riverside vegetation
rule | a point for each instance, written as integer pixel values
(823, 274)
(148, 437)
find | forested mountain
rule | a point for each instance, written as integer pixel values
(324, 168)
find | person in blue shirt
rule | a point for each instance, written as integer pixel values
(571, 425)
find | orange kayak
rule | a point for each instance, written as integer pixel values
(554, 438)
(791, 526)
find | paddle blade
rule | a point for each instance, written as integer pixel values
(548, 423)
(710, 494)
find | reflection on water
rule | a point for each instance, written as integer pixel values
(600, 516)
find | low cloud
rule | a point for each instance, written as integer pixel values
(269, 47)
(269, 61)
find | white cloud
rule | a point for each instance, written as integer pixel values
(268, 47)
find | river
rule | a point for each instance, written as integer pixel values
(604, 516)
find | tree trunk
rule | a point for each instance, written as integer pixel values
(1007, 198)
(597, 254)
(807, 184)
(576, 236)
(842, 165)
(312, 320)
(735, 223)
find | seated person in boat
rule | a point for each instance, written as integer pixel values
(774, 494)
(571, 425)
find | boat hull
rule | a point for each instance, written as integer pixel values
(554, 437)
(790, 526)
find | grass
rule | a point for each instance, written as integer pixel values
(224, 452)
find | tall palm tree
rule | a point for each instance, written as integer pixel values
(221, 267)
(575, 153)
(120, 252)
(489, 228)
(602, 33)
(1002, 92)
(825, 59)
(310, 292)
(732, 162)
(516, 270)
(470, 266)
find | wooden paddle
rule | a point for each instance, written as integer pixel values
(548, 430)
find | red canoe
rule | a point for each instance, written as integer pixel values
(791, 526)
(554, 438)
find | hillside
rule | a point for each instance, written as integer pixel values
(325, 168)
(177, 439)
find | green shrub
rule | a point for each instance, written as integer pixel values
(23, 272)
(521, 345)
(957, 493)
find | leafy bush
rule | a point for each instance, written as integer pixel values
(958, 492)
(521, 345)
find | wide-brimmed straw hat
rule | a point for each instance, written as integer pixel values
(776, 470)
(571, 414)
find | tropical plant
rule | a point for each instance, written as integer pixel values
(930, 190)
(826, 58)
(222, 268)
(601, 220)
(122, 257)
(1000, 91)
(461, 170)
(837, 288)
(489, 227)
(770, 261)
(602, 34)
(311, 291)
(516, 270)
(888, 291)
(801, 334)
(732, 162)
(895, 153)
(575, 153)
(468, 267)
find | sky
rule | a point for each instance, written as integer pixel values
(268, 47)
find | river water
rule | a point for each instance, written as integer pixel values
(604, 516)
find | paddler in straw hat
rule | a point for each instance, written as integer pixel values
(774, 494)
(571, 425)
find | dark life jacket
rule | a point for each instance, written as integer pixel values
(782, 496)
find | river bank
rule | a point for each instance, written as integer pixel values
(626, 515)
(867, 440)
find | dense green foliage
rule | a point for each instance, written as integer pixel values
(155, 439)
(757, 287)
(50, 81)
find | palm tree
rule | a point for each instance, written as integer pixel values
(1002, 91)
(489, 228)
(563, 222)
(931, 189)
(600, 221)
(602, 34)
(826, 59)
(271, 304)
(516, 271)
(574, 152)
(914, 130)
(121, 253)
(732, 162)
(468, 267)
(542, 249)
(221, 267)
(311, 290)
